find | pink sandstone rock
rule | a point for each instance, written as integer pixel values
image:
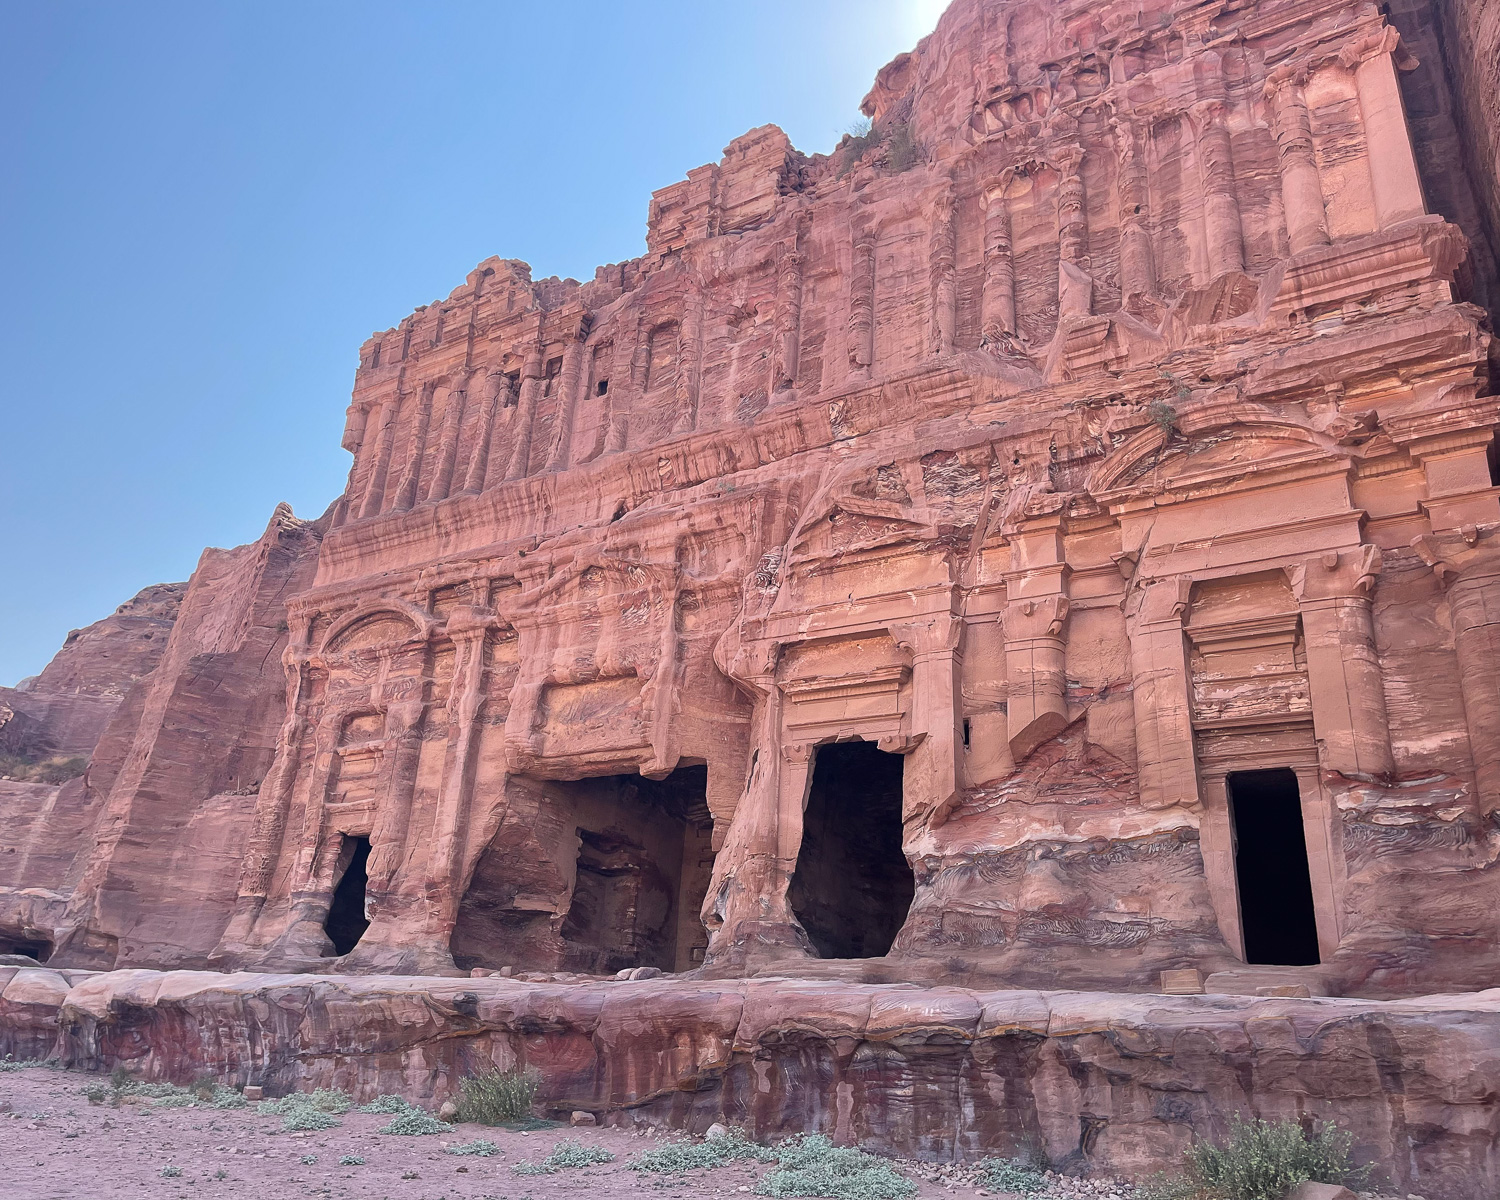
(1095, 1083)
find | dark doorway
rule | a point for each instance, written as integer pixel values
(36, 948)
(635, 856)
(853, 886)
(346, 922)
(1270, 863)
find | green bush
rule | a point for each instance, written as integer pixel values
(677, 1157)
(171, 1172)
(566, 1155)
(811, 1165)
(307, 1160)
(304, 1118)
(1261, 1160)
(351, 1160)
(414, 1123)
(478, 1146)
(54, 770)
(494, 1097)
(1011, 1175)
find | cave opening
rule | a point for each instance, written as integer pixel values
(1270, 864)
(852, 886)
(346, 922)
(37, 948)
(614, 878)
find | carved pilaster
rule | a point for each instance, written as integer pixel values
(416, 450)
(1393, 167)
(1343, 669)
(572, 384)
(1165, 764)
(689, 353)
(1301, 185)
(787, 348)
(1137, 256)
(453, 415)
(999, 306)
(1221, 207)
(390, 415)
(942, 256)
(525, 414)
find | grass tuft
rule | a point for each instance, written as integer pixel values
(494, 1097)
(414, 1123)
(1011, 1175)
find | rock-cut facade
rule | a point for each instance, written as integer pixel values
(1052, 540)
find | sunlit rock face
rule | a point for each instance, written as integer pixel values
(1104, 440)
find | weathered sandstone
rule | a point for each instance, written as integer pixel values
(1099, 1083)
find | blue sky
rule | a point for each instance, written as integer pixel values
(205, 208)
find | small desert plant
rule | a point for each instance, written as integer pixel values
(385, 1104)
(97, 1093)
(1163, 416)
(414, 1123)
(221, 1173)
(120, 1079)
(352, 1160)
(308, 1159)
(494, 1097)
(566, 1155)
(478, 1146)
(677, 1157)
(304, 1119)
(47, 770)
(171, 1172)
(811, 1165)
(1011, 1175)
(902, 152)
(1261, 1160)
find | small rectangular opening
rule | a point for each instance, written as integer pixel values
(1270, 863)
(36, 948)
(853, 886)
(966, 733)
(346, 922)
(601, 388)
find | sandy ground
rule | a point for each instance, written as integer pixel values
(54, 1144)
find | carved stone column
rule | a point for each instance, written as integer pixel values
(1137, 258)
(1301, 185)
(1221, 207)
(625, 379)
(467, 627)
(398, 781)
(1393, 167)
(390, 415)
(1474, 602)
(787, 348)
(1075, 285)
(479, 453)
(998, 310)
(1035, 666)
(934, 773)
(1343, 669)
(689, 353)
(942, 255)
(416, 449)
(525, 415)
(573, 382)
(453, 416)
(1166, 769)
(861, 296)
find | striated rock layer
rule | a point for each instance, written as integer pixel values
(1086, 1081)
(1051, 541)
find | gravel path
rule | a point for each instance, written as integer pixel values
(55, 1145)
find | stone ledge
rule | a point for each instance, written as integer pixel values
(1097, 1081)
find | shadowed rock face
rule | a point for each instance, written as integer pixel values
(1110, 424)
(1090, 1082)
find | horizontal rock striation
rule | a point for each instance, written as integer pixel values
(1088, 1081)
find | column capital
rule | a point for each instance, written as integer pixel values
(1336, 575)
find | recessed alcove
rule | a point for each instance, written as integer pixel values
(852, 886)
(631, 858)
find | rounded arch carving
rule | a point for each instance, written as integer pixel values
(375, 624)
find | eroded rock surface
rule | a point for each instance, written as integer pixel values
(1092, 1082)
(1105, 440)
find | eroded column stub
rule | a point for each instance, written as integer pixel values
(1096, 432)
